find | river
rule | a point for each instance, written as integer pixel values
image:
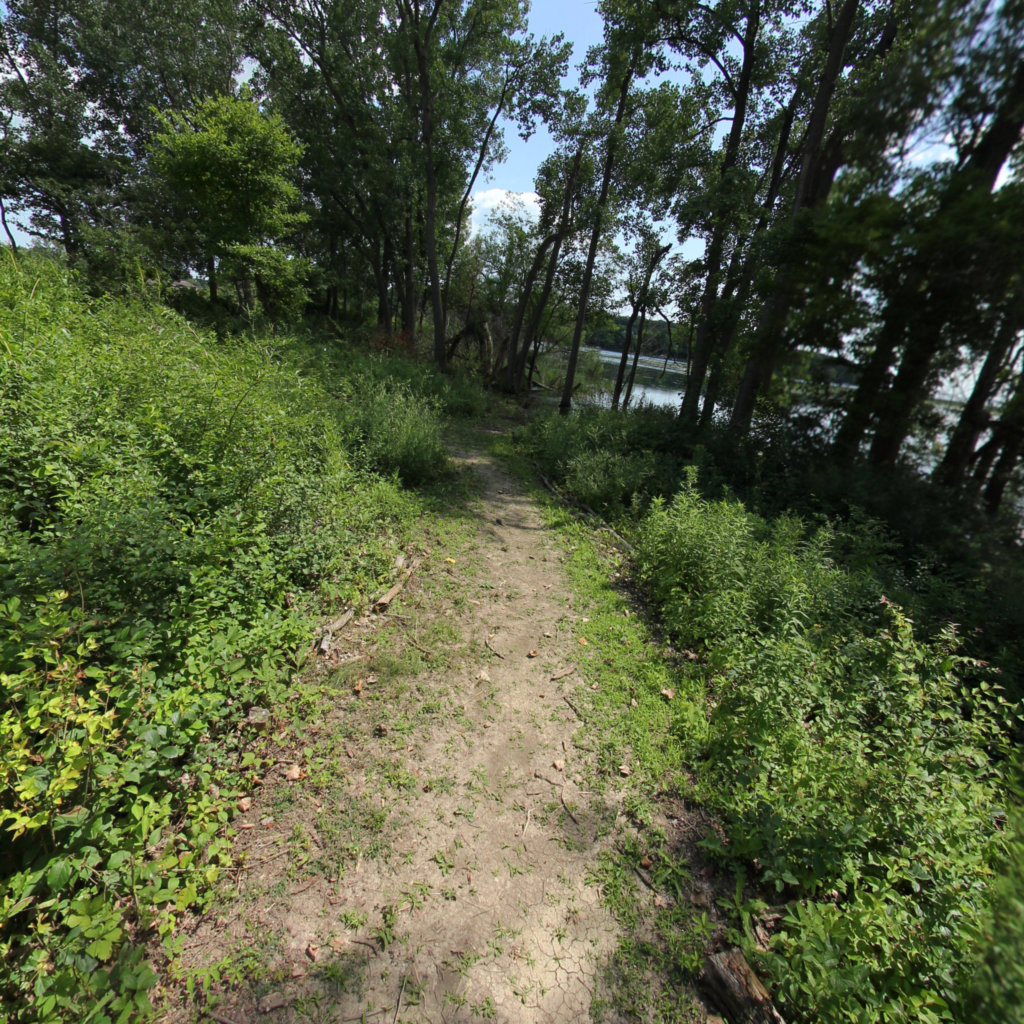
(656, 385)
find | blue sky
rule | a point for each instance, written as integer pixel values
(583, 27)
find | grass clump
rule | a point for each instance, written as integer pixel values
(172, 509)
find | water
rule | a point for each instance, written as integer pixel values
(651, 385)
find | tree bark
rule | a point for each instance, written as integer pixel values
(460, 215)
(422, 37)
(512, 364)
(3, 218)
(974, 418)
(1008, 440)
(924, 335)
(519, 354)
(737, 990)
(636, 358)
(211, 277)
(639, 308)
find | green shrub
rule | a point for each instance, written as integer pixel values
(163, 498)
(399, 430)
(851, 765)
(994, 990)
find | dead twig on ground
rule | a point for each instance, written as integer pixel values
(364, 1016)
(585, 510)
(398, 1007)
(572, 707)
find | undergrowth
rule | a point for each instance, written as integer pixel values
(858, 768)
(173, 510)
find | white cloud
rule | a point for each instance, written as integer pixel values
(486, 201)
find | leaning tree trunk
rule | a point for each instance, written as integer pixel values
(974, 418)
(636, 359)
(978, 175)
(639, 304)
(809, 189)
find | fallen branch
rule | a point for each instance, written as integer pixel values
(364, 1016)
(572, 707)
(561, 796)
(487, 644)
(382, 602)
(401, 992)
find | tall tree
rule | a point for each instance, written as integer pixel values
(223, 174)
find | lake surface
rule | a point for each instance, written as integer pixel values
(656, 383)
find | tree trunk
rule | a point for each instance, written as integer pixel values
(639, 307)
(978, 174)
(974, 418)
(595, 238)
(737, 991)
(421, 43)
(512, 364)
(636, 358)
(1008, 440)
(865, 399)
(627, 344)
(532, 337)
(464, 202)
(519, 355)
(767, 341)
(3, 218)
(742, 276)
(409, 281)
(722, 225)
(211, 277)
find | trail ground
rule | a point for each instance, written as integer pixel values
(433, 842)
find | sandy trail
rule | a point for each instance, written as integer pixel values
(433, 864)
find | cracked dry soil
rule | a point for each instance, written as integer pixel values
(432, 862)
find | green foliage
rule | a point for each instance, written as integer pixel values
(995, 993)
(400, 432)
(606, 459)
(163, 497)
(850, 763)
(223, 173)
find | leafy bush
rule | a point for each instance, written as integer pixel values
(399, 430)
(995, 991)
(933, 552)
(850, 764)
(606, 459)
(163, 497)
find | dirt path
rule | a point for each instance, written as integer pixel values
(431, 863)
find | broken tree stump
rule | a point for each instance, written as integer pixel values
(737, 990)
